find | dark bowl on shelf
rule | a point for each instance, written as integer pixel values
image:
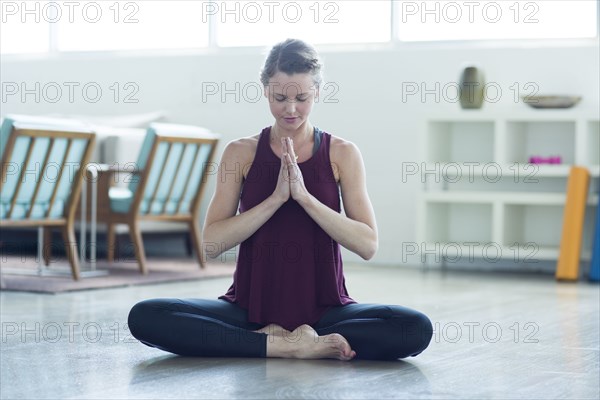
(551, 101)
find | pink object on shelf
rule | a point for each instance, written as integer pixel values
(545, 160)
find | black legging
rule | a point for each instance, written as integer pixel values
(212, 328)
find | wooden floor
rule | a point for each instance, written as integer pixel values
(497, 336)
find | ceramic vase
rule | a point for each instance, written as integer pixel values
(472, 88)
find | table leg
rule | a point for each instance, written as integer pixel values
(94, 211)
(82, 232)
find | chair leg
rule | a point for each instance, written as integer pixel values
(110, 242)
(188, 245)
(196, 238)
(68, 232)
(138, 245)
(47, 245)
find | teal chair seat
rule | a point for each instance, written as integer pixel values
(39, 210)
(120, 199)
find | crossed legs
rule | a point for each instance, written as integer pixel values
(202, 327)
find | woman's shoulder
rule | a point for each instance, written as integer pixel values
(340, 148)
(242, 148)
(343, 155)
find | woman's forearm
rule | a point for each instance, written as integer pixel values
(356, 236)
(223, 235)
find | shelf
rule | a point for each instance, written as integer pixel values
(479, 186)
(515, 114)
(515, 171)
(540, 138)
(466, 251)
(523, 198)
(518, 252)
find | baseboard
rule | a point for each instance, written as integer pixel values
(156, 244)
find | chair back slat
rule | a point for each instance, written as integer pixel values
(79, 156)
(176, 175)
(160, 169)
(185, 192)
(43, 174)
(60, 177)
(139, 182)
(208, 160)
(187, 179)
(198, 177)
(20, 181)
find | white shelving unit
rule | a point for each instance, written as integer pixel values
(482, 201)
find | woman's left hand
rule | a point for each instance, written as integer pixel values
(297, 189)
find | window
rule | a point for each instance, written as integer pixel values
(22, 31)
(133, 25)
(69, 26)
(251, 23)
(507, 19)
(101, 25)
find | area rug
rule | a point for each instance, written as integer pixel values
(120, 274)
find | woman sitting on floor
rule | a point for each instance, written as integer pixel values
(288, 297)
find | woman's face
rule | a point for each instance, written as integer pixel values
(291, 98)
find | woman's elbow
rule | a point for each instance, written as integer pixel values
(210, 250)
(209, 245)
(370, 250)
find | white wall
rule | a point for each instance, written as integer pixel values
(370, 110)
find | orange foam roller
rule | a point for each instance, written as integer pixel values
(573, 220)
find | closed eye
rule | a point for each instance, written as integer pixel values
(282, 98)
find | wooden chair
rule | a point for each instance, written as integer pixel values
(42, 160)
(168, 185)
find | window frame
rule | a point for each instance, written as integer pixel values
(492, 43)
(394, 44)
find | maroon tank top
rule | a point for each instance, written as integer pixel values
(290, 271)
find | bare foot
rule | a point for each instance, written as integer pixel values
(274, 329)
(305, 343)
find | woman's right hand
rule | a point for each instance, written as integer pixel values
(282, 190)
